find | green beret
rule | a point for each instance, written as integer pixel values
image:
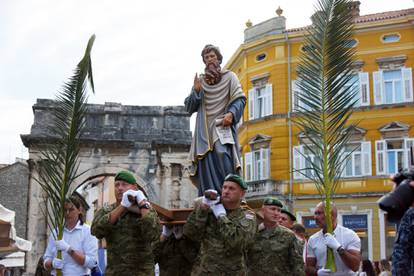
(237, 179)
(126, 176)
(286, 211)
(273, 201)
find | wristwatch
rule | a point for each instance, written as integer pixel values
(145, 206)
(340, 250)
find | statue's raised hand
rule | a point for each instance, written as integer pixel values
(197, 83)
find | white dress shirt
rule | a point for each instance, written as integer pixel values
(348, 239)
(80, 239)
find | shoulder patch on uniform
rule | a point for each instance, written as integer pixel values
(250, 216)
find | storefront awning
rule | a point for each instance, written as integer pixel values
(9, 242)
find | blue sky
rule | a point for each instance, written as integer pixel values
(145, 53)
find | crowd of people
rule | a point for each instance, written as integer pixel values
(220, 237)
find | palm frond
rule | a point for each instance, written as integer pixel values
(59, 164)
(324, 74)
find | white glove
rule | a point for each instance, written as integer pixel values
(331, 242)
(125, 201)
(211, 202)
(62, 245)
(261, 227)
(166, 231)
(218, 210)
(324, 272)
(57, 263)
(139, 195)
(178, 231)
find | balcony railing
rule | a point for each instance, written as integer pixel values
(263, 188)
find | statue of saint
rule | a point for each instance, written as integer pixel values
(219, 101)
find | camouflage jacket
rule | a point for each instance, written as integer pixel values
(176, 257)
(403, 254)
(129, 242)
(223, 241)
(275, 252)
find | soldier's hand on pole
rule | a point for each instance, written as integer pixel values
(167, 230)
(211, 194)
(218, 210)
(128, 198)
(197, 83)
(210, 198)
(178, 231)
(139, 197)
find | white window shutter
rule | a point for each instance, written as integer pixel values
(268, 104)
(408, 143)
(297, 162)
(294, 99)
(407, 84)
(265, 156)
(381, 162)
(343, 165)
(366, 158)
(248, 166)
(252, 95)
(364, 88)
(378, 87)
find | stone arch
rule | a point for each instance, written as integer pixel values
(109, 171)
(142, 141)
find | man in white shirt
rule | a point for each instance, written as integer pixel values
(344, 242)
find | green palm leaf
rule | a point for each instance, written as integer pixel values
(59, 164)
(323, 71)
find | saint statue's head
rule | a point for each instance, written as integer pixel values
(212, 58)
(211, 48)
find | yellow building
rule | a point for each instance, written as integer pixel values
(266, 65)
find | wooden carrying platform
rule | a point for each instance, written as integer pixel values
(179, 216)
(172, 216)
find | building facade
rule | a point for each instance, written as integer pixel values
(150, 141)
(14, 187)
(272, 147)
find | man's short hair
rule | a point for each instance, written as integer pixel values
(210, 47)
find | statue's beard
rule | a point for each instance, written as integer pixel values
(212, 73)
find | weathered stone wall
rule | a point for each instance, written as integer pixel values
(14, 186)
(150, 141)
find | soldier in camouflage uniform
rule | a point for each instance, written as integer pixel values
(275, 249)
(223, 229)
(403, 254)
(129, 235)
(174, 253)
